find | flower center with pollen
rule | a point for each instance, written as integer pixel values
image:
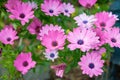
(102, 24)
(22, 15)
(91, 65)
(25, 63)
(113, 40)
(54, 43)
(80, 42)
(9, 39)
(51, 11)
(52, 55)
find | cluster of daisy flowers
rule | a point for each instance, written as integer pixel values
(92, 33)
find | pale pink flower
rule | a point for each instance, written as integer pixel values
(68, 9)
(8, 35)
(52, 7)
(113, 37)
(99, 51)
(54, 40)
(22, 12)
(91, 64)
(45, 29)
(32, 4)
(85, 21)
(87, 3)
(83, 39)
(59, 69)
(24, 62)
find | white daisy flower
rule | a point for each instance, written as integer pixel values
(52, 55)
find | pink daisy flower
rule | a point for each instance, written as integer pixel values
(52, 55)
(24, 62)
(113, 37)
(85, 21)
(105, 20)
(51, 7)
(87, 3)
(68, 9)
(54, 40)
(35, 26)
(45, 29)
(100, 51)
(22, 12)
(8, 35)
(59, 69)
(83, 39)
(91, 64)
(32, 4)
(12, 4)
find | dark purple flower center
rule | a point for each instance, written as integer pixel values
(37, 29)
(66, 10)
(80, 42)
(54, 43)
(102, 24)
(22, 15)
(85, 21)
(51, 11)
(25, 63)
(91, 65)
(8, 39)
(113, 40)
(88, 5)
(52, 55)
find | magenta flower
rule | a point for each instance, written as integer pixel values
(52, 55)
(68, 9)
(85, 21)
(91, 64)
(35, 26)
(59, 69)
(22, 12)
(54, 40)
(52, 7)
(8, 35)
(105, 20)
(84, 39)
(12, 4)
(87, 3)
(113, 37)
(45, 29)
(24, 62)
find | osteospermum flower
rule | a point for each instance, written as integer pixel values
(22, 12)
(54, 40)
(85, 21)
(83, 39)
(105, 20)
(8, 35)
(35, 26)
(52, 55)
(87, 3)
(91, 64)
(59, 69)
(12, 4)
(24, 62)
(99, 51)
(51, 7)
(45, 29)
(113, 37)
(68, 9)
(32, 4)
